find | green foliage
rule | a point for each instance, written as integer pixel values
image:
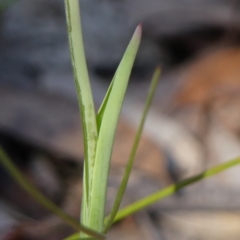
(85, 100)
(143, 203)
(27, 186)
(123, 185)
(99, 133)
(98, 137)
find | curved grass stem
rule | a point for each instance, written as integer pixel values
(145, 202)
(37, 195)
(123, 185)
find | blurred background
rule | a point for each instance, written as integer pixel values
(194, 122)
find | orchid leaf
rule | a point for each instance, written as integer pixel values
(107, 131)
(129, 165)
(85, 98)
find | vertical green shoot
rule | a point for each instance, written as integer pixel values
(107, 129)
(128, 169)
(85, 98)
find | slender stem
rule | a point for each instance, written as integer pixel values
(145, 202)
(28, 187)
(128, 168)
(108, 130)
(85, 99)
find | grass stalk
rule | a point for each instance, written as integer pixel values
(123, 185)
(157, 196)
(44, 201)
(107, 128)
(85, 100)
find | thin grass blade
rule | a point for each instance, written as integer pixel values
(28, 187)
(145, 202)
(129, 165)
(107, 133)
(85, 98)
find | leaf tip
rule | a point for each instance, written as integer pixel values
(138, 31)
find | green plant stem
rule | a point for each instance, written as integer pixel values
(143, 203)
(111, 109)
(85, 100)
(28, 187)
(128, 168)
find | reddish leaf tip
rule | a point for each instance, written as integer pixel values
(138, 30)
